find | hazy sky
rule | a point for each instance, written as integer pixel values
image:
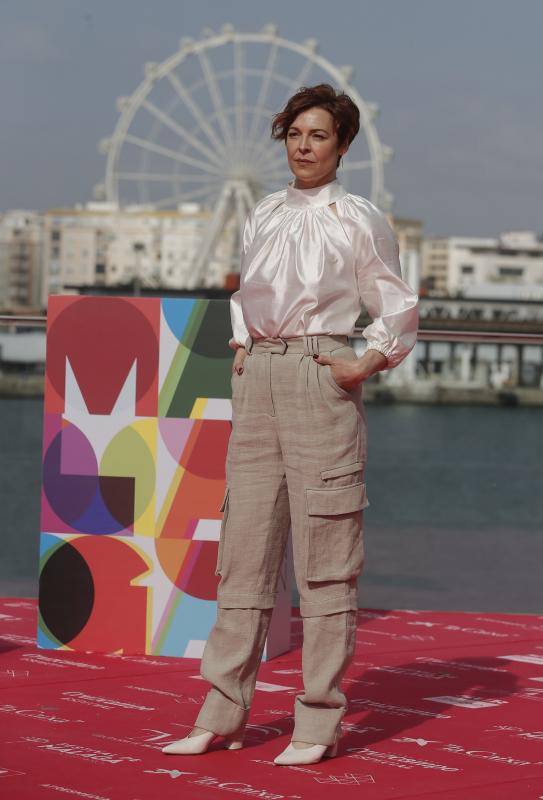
(459, 85)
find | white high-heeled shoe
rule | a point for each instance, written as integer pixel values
(194, 745)
(307, 755)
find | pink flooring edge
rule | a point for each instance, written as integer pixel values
(440, 705)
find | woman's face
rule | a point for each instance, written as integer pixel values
(312, 148)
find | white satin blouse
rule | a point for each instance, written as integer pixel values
(305, 270)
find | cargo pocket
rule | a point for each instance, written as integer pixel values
(335, 542)
(342, 469)
(224, 509)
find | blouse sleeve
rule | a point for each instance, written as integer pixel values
(391, 303)
(239, 330)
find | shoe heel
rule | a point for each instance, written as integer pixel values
(234, 741)
(331, 752)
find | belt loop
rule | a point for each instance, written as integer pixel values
(311, 345)
(248, 344)
(285, 345)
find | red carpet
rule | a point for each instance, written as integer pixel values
(441, 705)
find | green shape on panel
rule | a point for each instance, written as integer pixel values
(178, 362)
(202, 365)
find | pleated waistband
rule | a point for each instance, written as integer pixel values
(309, 345)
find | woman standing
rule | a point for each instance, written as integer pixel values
(312, 253)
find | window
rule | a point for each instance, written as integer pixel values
(467, 269)
(516, 272)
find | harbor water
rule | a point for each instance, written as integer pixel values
(455, 520)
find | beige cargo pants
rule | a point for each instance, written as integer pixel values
(296, 456)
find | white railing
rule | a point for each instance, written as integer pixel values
(424, 334)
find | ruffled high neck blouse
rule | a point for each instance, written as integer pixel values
(307, 268)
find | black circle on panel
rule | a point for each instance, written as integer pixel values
(66, 593)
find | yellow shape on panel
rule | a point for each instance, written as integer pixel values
(198, 408)
(132, 453)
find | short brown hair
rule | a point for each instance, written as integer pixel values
(344, 111)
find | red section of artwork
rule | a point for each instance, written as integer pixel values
(201, 489)
(103, 336)
(119, 614)
(190, 565)
(201, 581)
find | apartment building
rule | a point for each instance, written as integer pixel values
(100, 244)
(20, 259)
(507, 267)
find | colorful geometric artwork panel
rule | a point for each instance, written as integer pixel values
(137, 419)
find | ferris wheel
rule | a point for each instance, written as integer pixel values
(197, 129)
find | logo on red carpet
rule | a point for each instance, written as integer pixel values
(467, 701)
(5, 772)
(347, 779)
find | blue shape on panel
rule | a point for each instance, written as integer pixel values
(44, 641)
(177, 312)
(192, 618)
(97, 519)
(47, 541)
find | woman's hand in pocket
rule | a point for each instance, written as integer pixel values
(239, 358)
(345, 372)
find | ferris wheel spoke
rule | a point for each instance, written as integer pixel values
(180, 131)
(271, 161)
(241, 213)
(239, 87)
(303, 74)
(275, 183)
(294, 85)
(181, 197)
(145, 144)
(264, 89)
(277, 173)
(352, 165)
(216, 97)
(165, 177)
(300, 79)
(274, 161)
(196, 112)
